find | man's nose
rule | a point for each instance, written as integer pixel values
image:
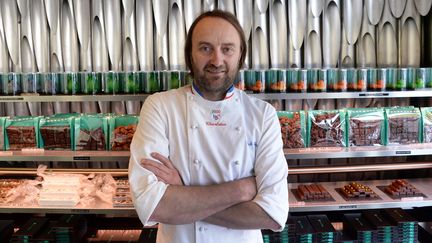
(216, 58)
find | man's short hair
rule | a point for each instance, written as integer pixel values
(217, 14)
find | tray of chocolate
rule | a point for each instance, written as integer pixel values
(401, 188)
(357, 191)
(312, 193)
(6, 186)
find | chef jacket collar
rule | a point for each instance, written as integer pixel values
(229, 94)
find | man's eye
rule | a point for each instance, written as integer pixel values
(228, 50)
(205, 49)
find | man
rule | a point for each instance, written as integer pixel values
(206, 160)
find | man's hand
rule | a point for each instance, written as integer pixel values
(164, 171)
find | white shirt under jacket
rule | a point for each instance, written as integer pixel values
(209, 142)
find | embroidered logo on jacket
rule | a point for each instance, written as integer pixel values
(216, 116)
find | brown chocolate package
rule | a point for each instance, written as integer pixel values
(123, 137)
(291, 131)
(21, 137)
(403, 130)
(56, 137)
(91, 139)
(326, 130)
(365, 133)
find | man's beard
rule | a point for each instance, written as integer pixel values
(211, 84)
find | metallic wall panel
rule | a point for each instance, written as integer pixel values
(112, 18)
(278, 34)
(227, 5)
(177, 35)
(209, 5)
(10, 16)
(316, 7)
(374, 9)
(331, 33)
(365, 46)
(160, 10)
(192, 8)
(82, 13)
(99, 45)
(260, 49)
(40, 34)
(129, 40)
(397, 7)
(387, 48)
(297, 14)
(69, 38)
(409, 34)
(144, 28)
(244, 9)
(4, 57)
(312, 46)
(352, 19)
(423, 6)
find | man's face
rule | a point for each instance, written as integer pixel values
(215, 55)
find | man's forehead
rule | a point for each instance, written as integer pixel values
(212, 29)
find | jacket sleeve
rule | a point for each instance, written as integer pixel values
(150, 136)
(271, 170)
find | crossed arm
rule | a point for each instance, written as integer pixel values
(228, 204)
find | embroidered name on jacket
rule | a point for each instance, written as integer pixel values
(216, 116)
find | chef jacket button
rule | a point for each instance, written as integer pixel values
(194, 126)
(238, 128)
(200, 229)
(196, 162)
(191, 98)
(236, 162)
(237, 99)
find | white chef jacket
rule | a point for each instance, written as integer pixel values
(209, 142)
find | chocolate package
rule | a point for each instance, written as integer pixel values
(91, 132)
(326, 128)
(122, 129)
(403, 125)
(21, 132)
(293, 128)
(366, 127)
(426, 113)
(2, 132)
(56, 132)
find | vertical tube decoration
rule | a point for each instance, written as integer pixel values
(177, 36)
(244, 9)
(331, 33)
(130, 58)
(260, 50)
(192, 8)
(374, 9)
(10, 16)
(144, 28)
(226, 5)
(387, 49)
(278, 34)
(82, 12)
(409, 34)
(160, 10)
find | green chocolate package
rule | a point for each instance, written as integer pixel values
(57, 133)
(366, 127)
(21, 132)
(2, 132)
(426, 113)
(91, 132)
(403, 125)
(122, 129)
(293, 128)
(326, 128)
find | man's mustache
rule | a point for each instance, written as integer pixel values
(213, 68)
